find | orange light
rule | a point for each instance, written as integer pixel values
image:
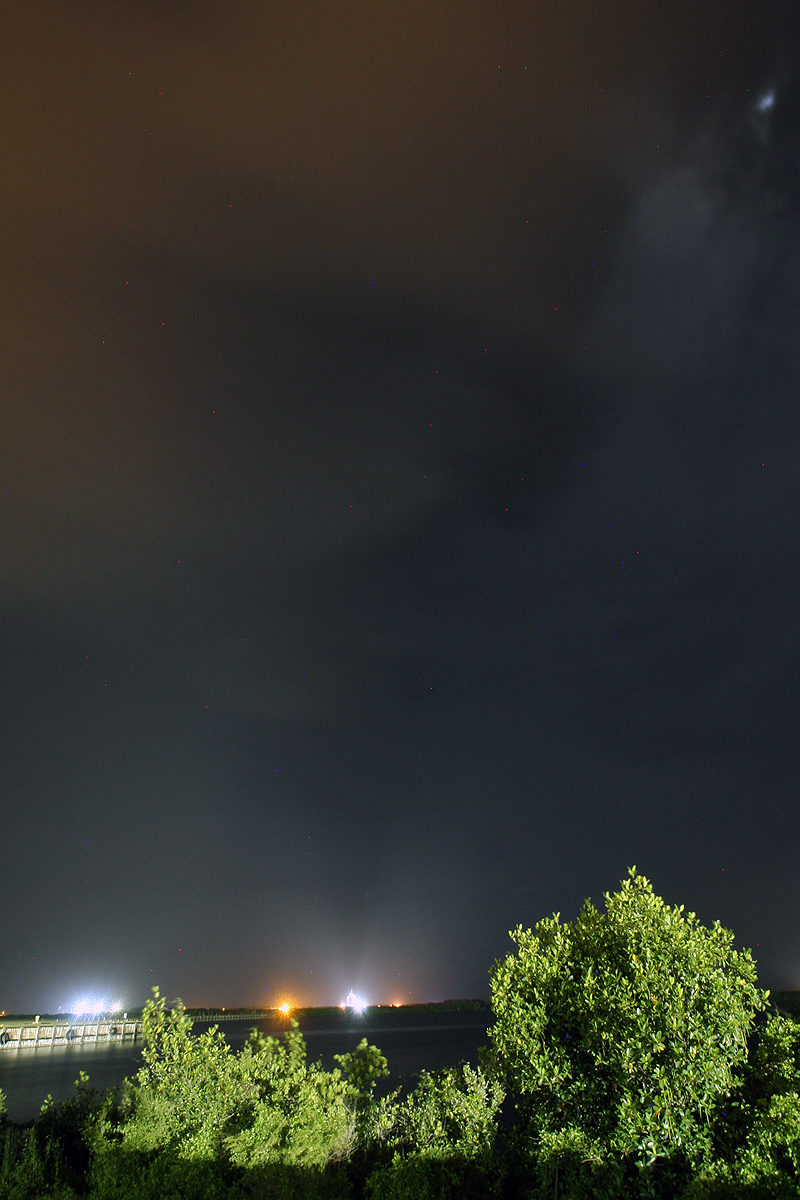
(285, 1008)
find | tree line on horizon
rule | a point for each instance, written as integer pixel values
(632, 1054)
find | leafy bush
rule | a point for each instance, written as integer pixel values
(52, 1157)
(264, 1118)
(450, 1111)
(185, 1094)
(626, 1039)
(756, 1128)
(444, 1139)
(620, 1033)
(432, 1177)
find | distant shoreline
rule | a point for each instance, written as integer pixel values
(244, 1014)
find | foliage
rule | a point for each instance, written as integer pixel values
(373, 1118)
(756, 1127)
(715, 1186)
(186, 1093)
(433, 1177)
(52, 1157)
(626, 1039)
(444, 1138)
(452, 1110)
(620, 1033)
(295, 1113)
(266, 1105)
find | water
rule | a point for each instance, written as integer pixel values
(26, 1076)
(411, 1042)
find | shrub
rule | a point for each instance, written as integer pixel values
(444, 1139)
(266, 1116)
(619, 1033)
(757, 1127)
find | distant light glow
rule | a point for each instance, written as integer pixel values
(356, 1003)
(766, 101)
(88, 1008)
(285, 1008)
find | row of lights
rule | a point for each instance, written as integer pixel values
(355, 1003)
(93, 1008)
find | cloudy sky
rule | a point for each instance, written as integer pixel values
(399, 487)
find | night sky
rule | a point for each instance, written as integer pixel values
(399, 487)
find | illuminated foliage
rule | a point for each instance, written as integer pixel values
(619, 1033)
(444, 1139)
(373, 1119)
(188, 1091)
(296, 1113)
(451, 1111)
(626, 1039)
(757, 1127)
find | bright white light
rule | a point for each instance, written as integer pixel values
(88, 1008)
(355, 1002)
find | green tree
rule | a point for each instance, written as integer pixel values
(619, 1033)
(451, 1111)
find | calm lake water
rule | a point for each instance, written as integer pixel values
(411, 1042)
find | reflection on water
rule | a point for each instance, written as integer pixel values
(26, 1076)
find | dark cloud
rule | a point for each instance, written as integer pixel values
(398, 492)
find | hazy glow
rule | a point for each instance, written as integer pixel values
(284, 1008)
(357, 1003)
(766, 101)
(88, 1008)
